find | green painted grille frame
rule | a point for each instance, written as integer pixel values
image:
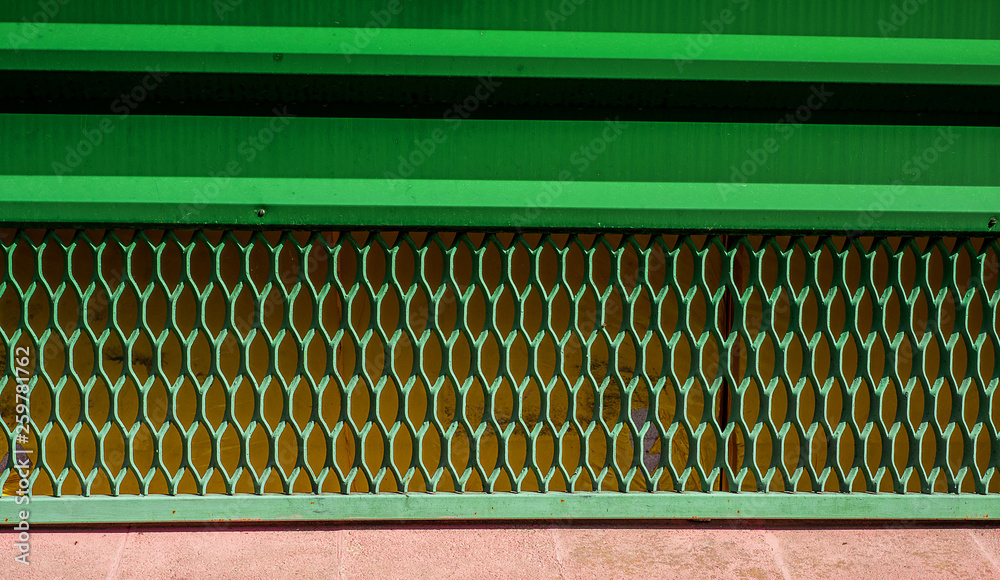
(928, 499)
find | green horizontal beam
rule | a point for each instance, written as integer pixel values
(496, 174)
(451, 147)
(503, 53)
(86, 510)
(494, 205)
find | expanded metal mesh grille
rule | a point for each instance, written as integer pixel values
(211, 362)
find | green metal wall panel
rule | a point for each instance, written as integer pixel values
(364, 172)
(456, 148)
(874, 18)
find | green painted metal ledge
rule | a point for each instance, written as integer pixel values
(94, 510)
(495, 205)
(142, 170)
(507, 53)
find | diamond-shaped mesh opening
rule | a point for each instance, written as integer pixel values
(176, 362)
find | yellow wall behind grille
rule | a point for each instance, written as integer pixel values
(600, 395)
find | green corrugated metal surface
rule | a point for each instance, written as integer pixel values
(509, 506)
(492, 364)
(494, 167)
(901, 18)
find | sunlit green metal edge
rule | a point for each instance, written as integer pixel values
(495, 205)
(77, 510)
(280, 50)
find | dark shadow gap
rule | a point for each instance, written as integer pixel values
(110, 93)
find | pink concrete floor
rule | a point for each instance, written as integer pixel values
(517, 550)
